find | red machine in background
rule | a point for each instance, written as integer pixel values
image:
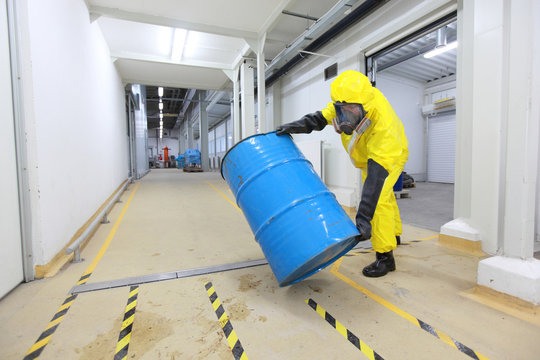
(165, 157)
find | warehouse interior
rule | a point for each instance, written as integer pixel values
(112, 249)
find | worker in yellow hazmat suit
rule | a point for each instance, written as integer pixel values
(375, 140)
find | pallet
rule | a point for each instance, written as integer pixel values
(402, 194)
(411, 185)
(192, 169)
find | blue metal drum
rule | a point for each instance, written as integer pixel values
(296, 220)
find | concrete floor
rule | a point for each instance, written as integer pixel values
(176, 221)
(430, 206)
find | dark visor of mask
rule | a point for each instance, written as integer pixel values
(348, 116)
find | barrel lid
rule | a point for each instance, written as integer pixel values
(238, 143)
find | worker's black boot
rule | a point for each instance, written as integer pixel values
(384, 263)
(398, 239)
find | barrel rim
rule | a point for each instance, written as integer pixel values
(238, 143)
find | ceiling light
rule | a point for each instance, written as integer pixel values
(160, 91)
(160, 106)
(441, 37)
(178, 43)
(161, 123)
(440, 50)
(160, 115)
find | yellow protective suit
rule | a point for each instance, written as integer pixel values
(384, 141)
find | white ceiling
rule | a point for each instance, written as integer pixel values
(141, 36)
(215, 36)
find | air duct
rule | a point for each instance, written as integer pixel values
(351, 19)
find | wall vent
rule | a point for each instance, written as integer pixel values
(330, 72)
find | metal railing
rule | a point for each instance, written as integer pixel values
(100, 219)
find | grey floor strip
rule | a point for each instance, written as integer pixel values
(137, 280)
(164, 276)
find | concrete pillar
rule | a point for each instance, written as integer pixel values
(248, 99)
(203, 131)
(497, 145)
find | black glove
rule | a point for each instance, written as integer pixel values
(305, 125)
(371, 191)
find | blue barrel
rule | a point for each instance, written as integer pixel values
(398, 186)
(296, 220)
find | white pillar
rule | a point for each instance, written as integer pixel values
(227, 133)
(215, 141)
(261, 91)
(203, 131)
(516, 272)
(480, 146)
(190, 134)
(274, 107)
(248, 99)
(235, 106)
(498, 140)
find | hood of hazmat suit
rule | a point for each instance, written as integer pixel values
(382, 138)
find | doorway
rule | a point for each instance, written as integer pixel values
(419, 80)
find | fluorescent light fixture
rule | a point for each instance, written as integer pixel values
(160, 123)
(160, 115)
(160, 106)
(438, 51)
(160, 91)
(179, 41)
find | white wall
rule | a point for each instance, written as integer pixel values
(75, 119)
(406, 97)
(304, 90)
(11, 267)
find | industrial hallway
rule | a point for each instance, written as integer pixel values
(171, 221)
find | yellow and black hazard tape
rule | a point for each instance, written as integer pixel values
(230, 334)
(451, 341)
(353, 339)
(415, 321)
(43, 339)
(127, 325)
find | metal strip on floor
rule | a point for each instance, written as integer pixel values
(137, 280)
(171, 275)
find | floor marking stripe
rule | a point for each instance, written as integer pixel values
(226, 326)
(347, 334)
(370, 249)
(417, 322)
(225, 196)
(54, 322)
(109, 238)
(43, 339)
(127, 325)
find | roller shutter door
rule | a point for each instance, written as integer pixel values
(441, 148)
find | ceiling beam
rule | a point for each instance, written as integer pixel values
(272, 20)
(165, 60)
(179, 84)
(166, 21)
